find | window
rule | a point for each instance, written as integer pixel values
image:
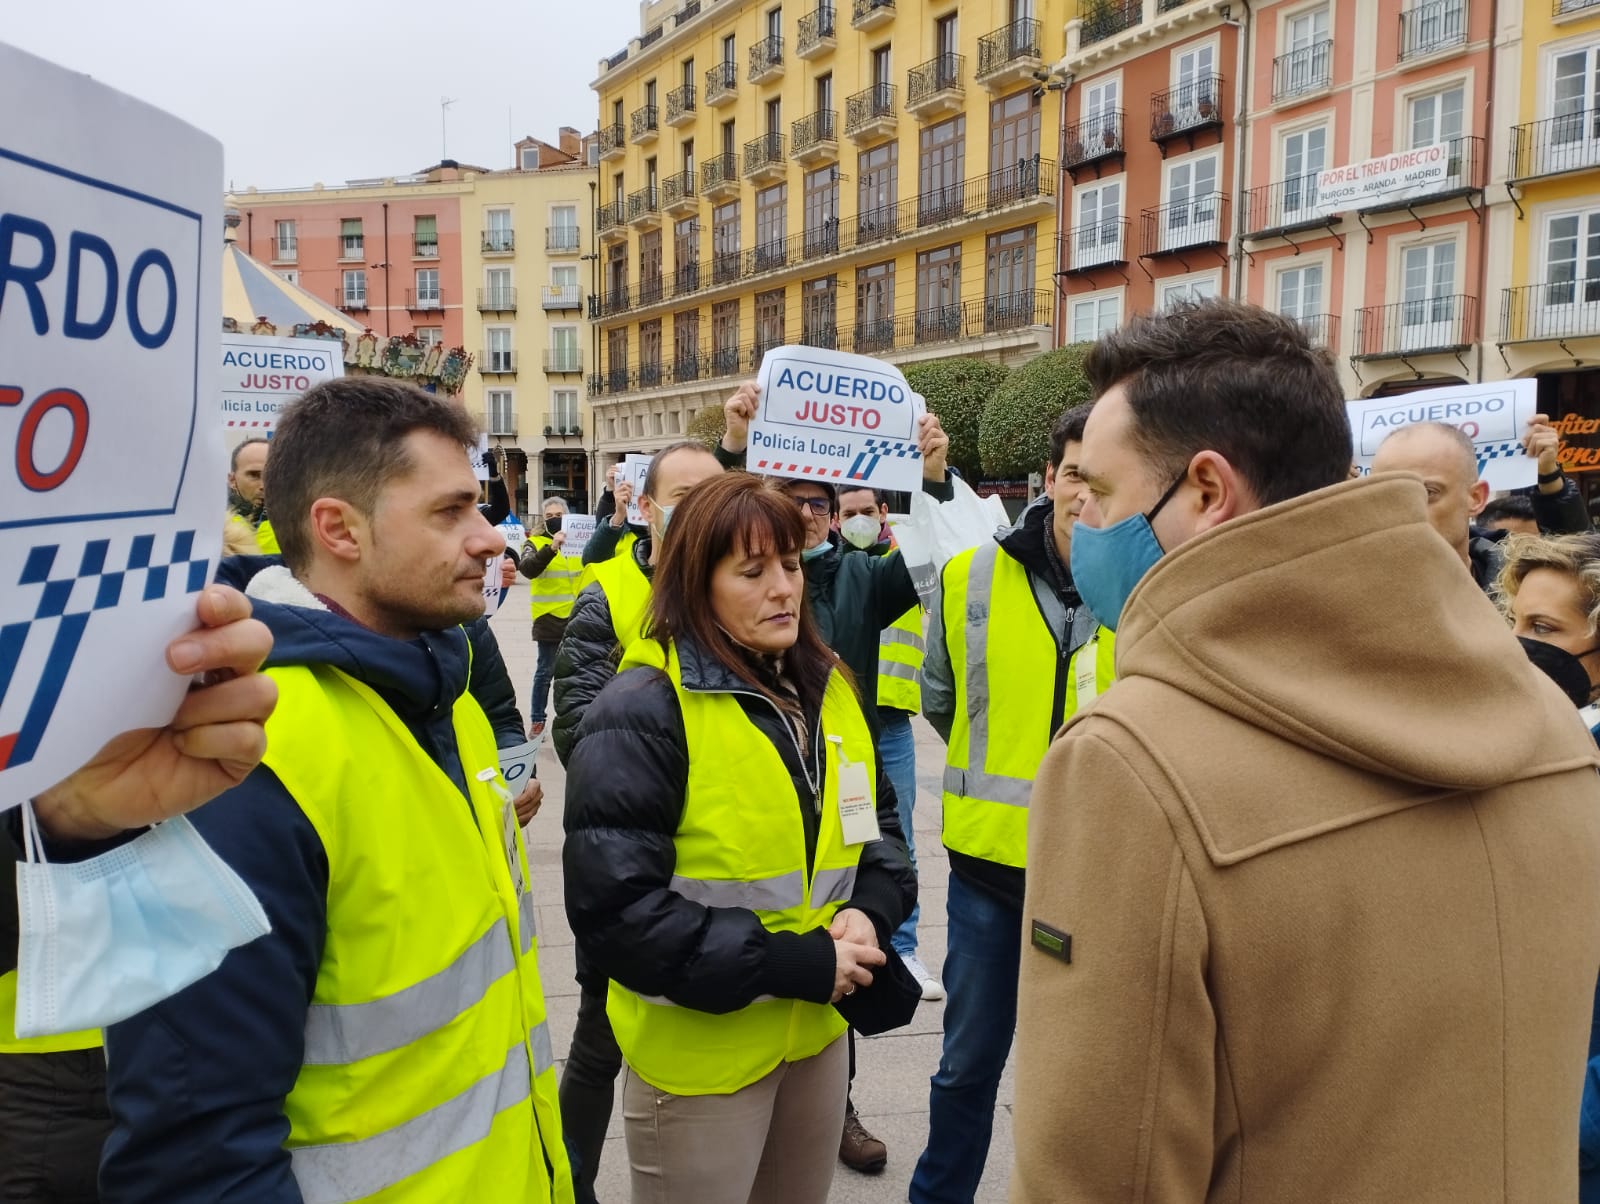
(497, 287)
(497, 348)
(881, 72)
(1191, 215)
(430, 336)
(822, 211)
(1571, 293)
(564, 346)
(1305, 154)
(502, 418)
(825, 93)
(428, 288)
(355, 289)
(687, 76)
(727, 51)
(1575, 105)
(616, 273)
(425, 236)
(1428, 308)
(497, 230)
(686, 344)
(941, 170)
(875, 307)
(686, 255)
(649, 353)
(819, 324)
(769, 324)
(564, 411)
(1100, 105)
(729, 139)
(1022, 10)
(939, 294)
(774, 116)
(285, 246)
(1095, 315)
(292, 276)
(617, 359)
(771, 225)
(650, 93)
(563, 276)
(1306, 63)
(1188, 288)
(1195, 77)
(530, 158)
(688, 154)
(879, 172)
(650, 267)
(1437, 118)
(775, 22)
(650, 177)
(725, 242)
(1431, 25)
(350, 240)
(945, 40)
(616, 113)
(563, 227)
(1100, 235)
(1300, 292)
(1014, 146)
(1008, 280)
(725, 338)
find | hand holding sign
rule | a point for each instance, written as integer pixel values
(1496, 417)
(1543, 444)
(934, 445)
(738, 412)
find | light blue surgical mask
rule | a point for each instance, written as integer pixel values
(106, 938)
(666, 516)
(813, 553)
(1107, 562)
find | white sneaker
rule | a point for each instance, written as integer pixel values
(932, 988)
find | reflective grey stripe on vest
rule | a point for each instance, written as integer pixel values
(354, 1170)
(339, 1033)
(992, 787)
(975, 782)
(528, 920)
(833, 886)
(544, 1054)
(896, 669)
(894, 635)
(760, 894)
(548, 573)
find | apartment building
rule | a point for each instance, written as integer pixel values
(1546, 280)
(868, 177)
(524, 236)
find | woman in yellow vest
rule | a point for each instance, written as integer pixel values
(734, 863)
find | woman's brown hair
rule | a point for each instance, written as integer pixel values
(719, 516)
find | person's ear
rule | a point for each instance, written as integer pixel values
(339, 528)
(1480, 498)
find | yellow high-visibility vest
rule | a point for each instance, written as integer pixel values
(901, 650)
(627, 592)
(268, 538)
(554, 591)
(10, 1043)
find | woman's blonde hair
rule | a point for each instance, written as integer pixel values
(1578, 556)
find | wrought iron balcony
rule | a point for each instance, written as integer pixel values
(610, 218)
(1304, 71)
(719, 176)
(763, 158)
(424, 299)
(562, 426)
(822, 239)
(651, 290)
(1009, 311)
(722, 84)
(504, 242)
(1321, 329)
(644, 207)
(869, 14)
(1104, 19)
(815, 136)
(767, 257)
(1183, 225)
(1563, 309)
(686, 278)
(1464, 172)
(870, 112)
(1095, 245)
(1431, 27)
(613, 141)
(725, 267)
(817, 33)
(680, 106)
(1092, 139)
(1284, 206)
(425, 248)
(678, 194)
(501, 421)
(500, 361)
(766, 59)
(1186, 109)
(611, 304)
(934, 88)
(500, 300)
(1570, 142)
(1447, 323)
(1566, 7)
(643, 125)
(560, 296)
(562, 238)
(563, 360)
(1010, 54)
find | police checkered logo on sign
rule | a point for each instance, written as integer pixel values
(877, 449)
(69, 585)
(1496, 451)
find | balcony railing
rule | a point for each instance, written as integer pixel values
(609, 304)
(1010, 311)
(812, 131)
(722, 83)
(927, 80)
(719, 171)
(610, 216)
(1097, 245)
(643, 204)
(497, 300)
(1180, 225)
(1443, 323)
(680, 104)
(561, 238)
(560, 296)
(502, 422)
(643, 123)
(651, 290)
(725, 267)
(864, 14)
(1321, 329)
(1104, 19)
(766, 58)
(1570, 142)
(498, 363)
(285, 250)
(763, 153)
(1464, 172)
(425, 248)
(1564, 7)
(686, 278)
(558, 360)
(1186, 109)
(816, 30)
(423, 299)
(1097, 136)
(868, 105)
(561, 425)
(766, 257)
(1015, 43)
(677, 189)
(1309, 69)
(1432, 26)
(822, 239)
(355, 302)
(613, 139)
(1283, 206)
(1564, 309)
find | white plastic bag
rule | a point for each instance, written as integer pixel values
(936, 531)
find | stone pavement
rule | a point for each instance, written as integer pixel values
(891, 1087)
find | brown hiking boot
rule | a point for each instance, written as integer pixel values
(860, 1150)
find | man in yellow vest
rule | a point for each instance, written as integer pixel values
(553, 571)
(241, 535)
(1007, 613)
(387, 1040)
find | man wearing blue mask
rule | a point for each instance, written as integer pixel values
(1006, 643)
(1305, 932)
(387, 1038)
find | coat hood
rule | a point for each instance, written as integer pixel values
(1342, 623)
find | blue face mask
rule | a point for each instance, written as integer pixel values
(813, 553)
(1107, 562)
(104, 939)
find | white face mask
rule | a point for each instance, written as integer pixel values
(861, 530)
(106, 938)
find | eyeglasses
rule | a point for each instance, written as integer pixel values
(817, 505)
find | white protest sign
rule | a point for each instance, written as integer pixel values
(480, 458)
(1395, 177)
(492, 589)
(578, 528)
(1494, 416)
(633, 470)
(262, 374)
(835, 417)
(517, 763)
(112, 472)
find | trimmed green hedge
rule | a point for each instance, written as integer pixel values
(958, 390)
(1014, 432)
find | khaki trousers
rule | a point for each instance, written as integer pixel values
(774, 1142)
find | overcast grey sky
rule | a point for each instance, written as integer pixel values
(300, 91)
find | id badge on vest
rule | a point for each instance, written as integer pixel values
(858, 818)
(508, 826)
(1084, 678)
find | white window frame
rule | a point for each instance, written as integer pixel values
(1579, 310)
(1185, 107)
(564, 275)
(504, 422)
(349, 298)
(528, 158)
(1196, 215)
(430, 336)
(428, 298)
(352, 246)
(1559, 151)
(499, 286)
(1177, 288)
(1286, 23)
(491, 228)
(1300, 264)
(566, 332)
(292, 275)
(286, 250)
(1105, 245)
(1097, 299)
(563, 424)
(1306, 195)
(499, 348)
(1424, 327)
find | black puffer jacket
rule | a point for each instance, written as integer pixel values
(587, 658)
(625, 797)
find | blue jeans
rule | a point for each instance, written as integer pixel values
(543, 670)
(980, 974)
(898, 748)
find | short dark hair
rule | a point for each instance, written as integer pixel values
(345, 439)
(648, 489)
(878, 498)
(233, 461)
(1232, 378)
(827, 487)
(1513, 505)
(1068, 429)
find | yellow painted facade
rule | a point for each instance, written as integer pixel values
(880, 177)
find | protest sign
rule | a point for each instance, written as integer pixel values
(480, 458)
(633, 470)
(1494, 416)
(837, 418)
(517, 763)
(493, 591)
(262, 374)
(112, 472)
(579, 529)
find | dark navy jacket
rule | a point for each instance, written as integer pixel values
(197, 1084)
